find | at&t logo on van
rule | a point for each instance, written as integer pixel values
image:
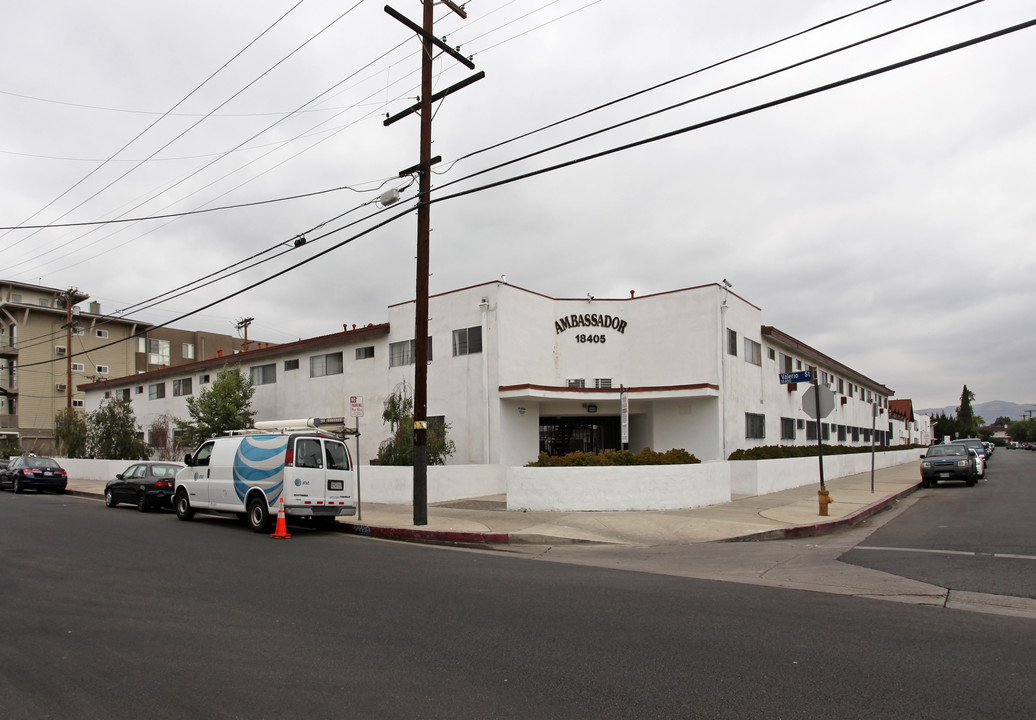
(259, 462)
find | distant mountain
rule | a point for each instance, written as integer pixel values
(988, 411)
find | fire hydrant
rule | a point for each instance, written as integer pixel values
(825, 499)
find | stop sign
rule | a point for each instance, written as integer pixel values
(827, 401)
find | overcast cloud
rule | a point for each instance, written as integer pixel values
(887, 223)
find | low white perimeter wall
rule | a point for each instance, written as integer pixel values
(614, 489)
(103, 470)
(395, 485)
(761, 477)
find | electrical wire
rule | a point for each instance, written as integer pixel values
(152, 125)
(604, 153)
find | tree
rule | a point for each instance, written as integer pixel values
(70, 431)
(399, 449)
(966, 422)
(164, 443)
(225, 406)
(944, 426)
(113, 433)
(1002, 421)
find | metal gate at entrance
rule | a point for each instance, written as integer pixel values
(563, 435)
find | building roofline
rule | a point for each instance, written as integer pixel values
(583, 299)
(783, 338)
(249, 356)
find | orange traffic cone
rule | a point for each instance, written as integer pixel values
(281, 531)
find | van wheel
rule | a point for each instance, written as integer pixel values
(184, 511)
(259, 514)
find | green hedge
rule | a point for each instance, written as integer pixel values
(770, 452)
(647, 456)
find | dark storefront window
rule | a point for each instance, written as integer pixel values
(564, 435)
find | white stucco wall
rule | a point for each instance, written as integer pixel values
(761, 477)
(656, 487)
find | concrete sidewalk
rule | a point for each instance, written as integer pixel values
(790, 513)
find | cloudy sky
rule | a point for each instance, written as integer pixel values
(886, 222)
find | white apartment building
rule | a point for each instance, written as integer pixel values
(515, 372)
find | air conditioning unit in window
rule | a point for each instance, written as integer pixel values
(61, 387)
(59, 349)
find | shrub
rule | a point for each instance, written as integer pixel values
(647, 456)
(770, 452)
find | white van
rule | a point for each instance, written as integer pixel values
(248, 472)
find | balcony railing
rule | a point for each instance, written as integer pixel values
(8, 421)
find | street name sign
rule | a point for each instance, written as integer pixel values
(802, 376)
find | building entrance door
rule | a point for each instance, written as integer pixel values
(563, 435)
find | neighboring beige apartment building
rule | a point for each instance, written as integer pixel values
(40, 350)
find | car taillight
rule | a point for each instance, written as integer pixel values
(289, 457)
(163, 484)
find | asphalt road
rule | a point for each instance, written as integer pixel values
(113, 614)
(980, 539)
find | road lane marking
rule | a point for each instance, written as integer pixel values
(968, 553)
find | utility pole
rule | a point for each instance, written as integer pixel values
(424, 226)
(243, 324)
(68, 346)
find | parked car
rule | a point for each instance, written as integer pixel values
(29, 472)
(148, 485)
(979, 447)
(949, 462)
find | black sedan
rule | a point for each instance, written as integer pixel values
(948, 462)
(29, 472)
(147, 485)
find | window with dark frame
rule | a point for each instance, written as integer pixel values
(755, 426)
(731, 342)
(365, 353)
(291, 365)
(467, 341)
(264, 374)
(787, 428)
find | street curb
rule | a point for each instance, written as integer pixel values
(827, 526)
(441, 536)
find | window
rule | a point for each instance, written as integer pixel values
(188, 351)
(602, 383)
(156, 391)
(78, 403)
(291, 365)
(307, 453)
(182, 387)
(755, 426)
(203, 379)
(60, 350)
(16, 298)
(78, 331)
(576, 383)
(264, 374)
(102, 369)
(787, 428)
(856, 434)
(841, 386)
(800, 424)
(731, 342)
(841, 433)
(45, 302)
(467, 341)
(811, 430)
(141, 344)
(140, 389)
(78, 367)
(785, 363)
(753, 352)
(123, 394)
(771, 353)
(321, 365)
(402, 353)
(158, 352)
(335, 456)
(365, 353)
(825, 431)
(103, 334)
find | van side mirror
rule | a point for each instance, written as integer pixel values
(187, 460)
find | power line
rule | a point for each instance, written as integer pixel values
(181, 214)
(149, 127)
(604, 153)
